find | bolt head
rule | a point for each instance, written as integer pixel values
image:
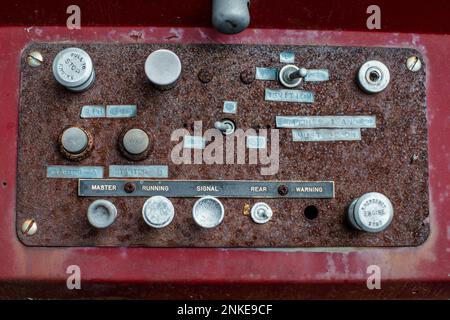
(29, 227)
(35, 59)
(413, 63)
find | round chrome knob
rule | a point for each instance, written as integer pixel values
(372, 212)
(73, 69)
(163, 68)
(158, 211)
(208, 212)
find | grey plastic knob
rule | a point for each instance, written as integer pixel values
(73, 69)
(163, 68)
(74, 140)
(101, 213)
(230, 16)
(135, 141)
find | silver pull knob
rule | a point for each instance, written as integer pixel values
(372, 212)
(73, 69)
(230, 16)
(163, 68)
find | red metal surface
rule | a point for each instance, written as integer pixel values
(406, 272)
(397, 16)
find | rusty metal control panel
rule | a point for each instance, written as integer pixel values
(150, 145)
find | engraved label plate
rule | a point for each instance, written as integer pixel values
(312, 135)
(126, 171)
(269, 74)
(287, 57)
(314, 75)
(193, 142)
(217, 188)
(286, 95)
(256, 142)
(308, 122)
(75, 172)
(88, 112)
(121, 111)
(230, 107)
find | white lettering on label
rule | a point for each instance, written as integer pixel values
(103, 187)
(155, 188)
(309, 189)
(258, 189)
(207, 189)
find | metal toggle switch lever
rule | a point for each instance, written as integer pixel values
(226, 126)
(291, 76)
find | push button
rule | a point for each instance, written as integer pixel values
(208, 212)
(134, 144)
(73, 69)
(75, 143)
(372, 212)
(101, 214)
(163, 68)
(158, 212)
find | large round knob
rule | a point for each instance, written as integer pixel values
(73, 69)
(163, 68)
(372, 212)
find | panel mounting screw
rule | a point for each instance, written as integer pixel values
(35, 59)
(29, 227)
(413, 63)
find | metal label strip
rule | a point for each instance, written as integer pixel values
(309, 122)
(287, 95)
(216, 188)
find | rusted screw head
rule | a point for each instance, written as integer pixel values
(283, 190)
(29, 227)
(247, 76)
(205, 75)
(35, 59)
(413, 63)
(129, 187)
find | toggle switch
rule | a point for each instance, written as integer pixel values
(261, 213)
(163, 68)
(226, 126)
(208, 212)
(372, 212)
(134, 144)
(101, 214)
(291, 76)
(75, 143)
(73, 69)
(158, 212)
